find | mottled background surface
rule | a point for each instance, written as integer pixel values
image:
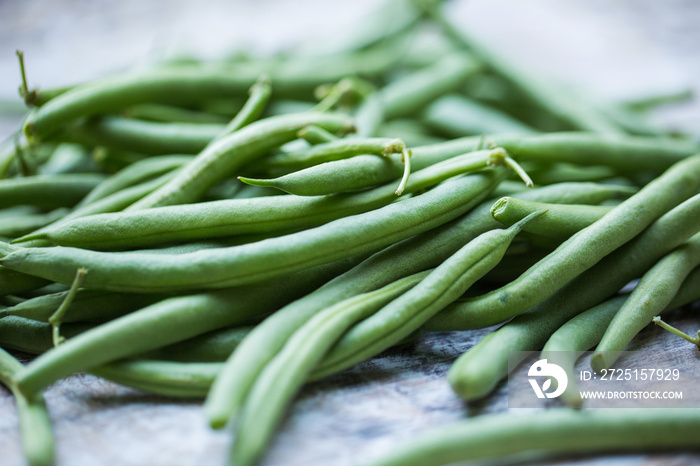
(616, 50)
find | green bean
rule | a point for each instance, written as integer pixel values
(457, 116)
(629, 154)
(259, 96)
(236, 217)
(191, 380)
(315, 135)
(12, 227)
(286, 373)
(411, 93)
(170, 114)
(134, 174)
(250, 263)
(411, 131)
(47, 190)
(560, 221)
(581, 251)
(88, 306)
(183, 84)
(167, 322)
(334, 150)
(68, 158)
(145, 137)
(553, 431)
(575, 337)
(585, 331)
(413, 255)
(406, 314)
(476, 373)
(12, 282)
(30, 336)
(215, 346)
(37, 438)
(563, 172)
(215, 163)
(654, 292)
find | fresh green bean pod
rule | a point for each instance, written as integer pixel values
(333, 150)
(12, 282)
(12, 227)
(409, 312)
(31, 336)
(35, 425)
(554, 431)
(172, 114)
(422, 252)
(87, 306)
(145, 137)
(215, 346)
(581, 333)
(412, 93)
(187, 84)
(228, 154)
(650, 297)
(168, 322)
(288, 371)
(560, 221)
(250, 263)
(629, 154)
(182, 380)
(238, 217)
(47, 190)
(112, 203)
(457, 116)
(563, 172)
(477, 372)
(135, 174)
(585, 331)
(581, 251)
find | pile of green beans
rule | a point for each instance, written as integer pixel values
(231, 231)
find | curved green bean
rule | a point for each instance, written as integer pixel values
(287, 372)
(167, 322)
(191, 380)
(47, 190)
(409, 312)
(581, 251)
(429, 249)
(35, 425)
(233, 151)
(477, 372)
(560, 221)
(652, 294)
(236, 217)
(457, 116)
(144, 137)
(250, 263)
(552, 431)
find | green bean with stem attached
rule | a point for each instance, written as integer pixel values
(35, 425)
(269, 258)
(560, 221)
(167, 322)
(424, 251)
(581, 251)
(287, 372)
(554, 431)
(476, 373)
(652, 294)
